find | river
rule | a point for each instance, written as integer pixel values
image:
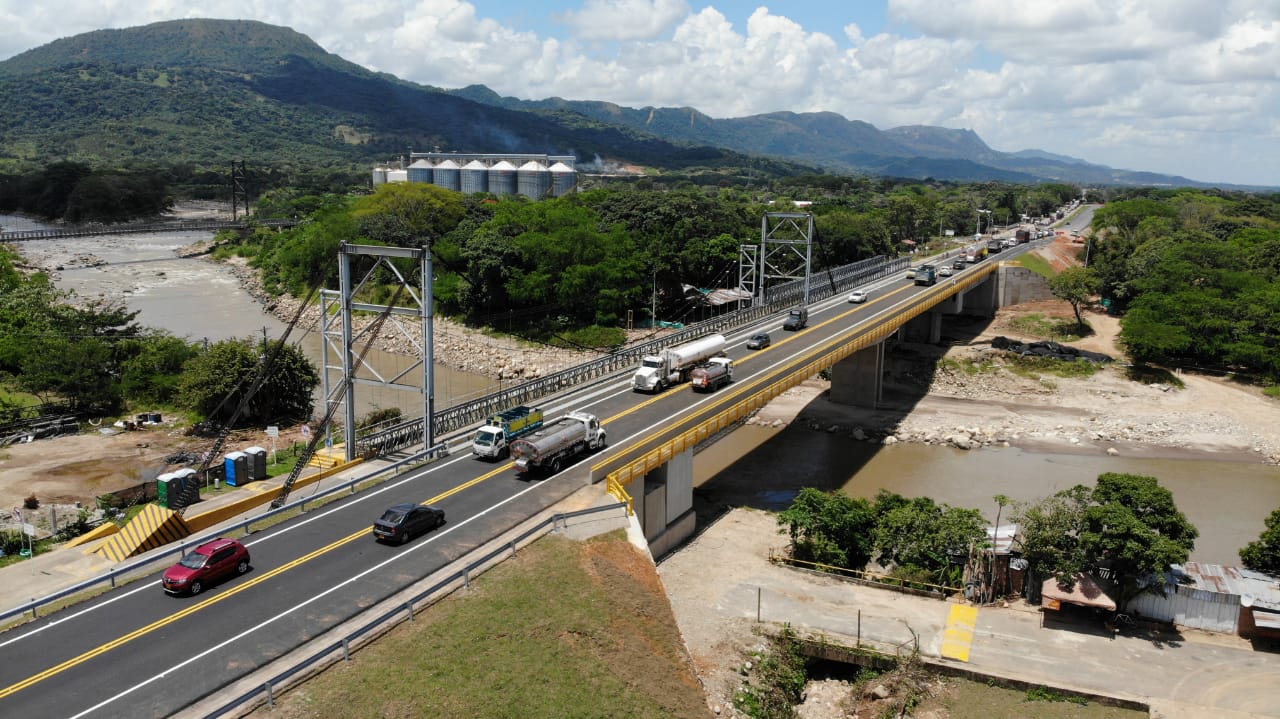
(765, 467)
(202, 301)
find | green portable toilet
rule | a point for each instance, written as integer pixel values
(166, 490)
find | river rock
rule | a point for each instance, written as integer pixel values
(961, 441)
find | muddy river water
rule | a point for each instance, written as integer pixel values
(754, 466)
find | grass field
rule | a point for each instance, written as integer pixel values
(565, 629)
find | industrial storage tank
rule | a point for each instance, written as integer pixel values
(421, 171)
(447, 175)
(475, 177)
(379, 175)
(563, 179)
(533, 180)
(397, 175)
(502, 178)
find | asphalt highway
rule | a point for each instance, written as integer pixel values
(136, 651)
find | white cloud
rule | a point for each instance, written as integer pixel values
(625, 19)
(1183, 86)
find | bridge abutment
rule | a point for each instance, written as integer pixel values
(664, 503)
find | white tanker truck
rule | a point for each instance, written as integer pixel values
(552, 446)
(672, 365)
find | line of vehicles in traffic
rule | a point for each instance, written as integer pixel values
(521, 433)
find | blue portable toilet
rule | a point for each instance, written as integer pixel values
(236, 469)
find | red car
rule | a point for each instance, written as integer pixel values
(206, 564)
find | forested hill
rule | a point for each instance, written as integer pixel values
(209, 91)
(841, 145)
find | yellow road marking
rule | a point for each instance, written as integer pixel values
(209, 601)
(958, 637)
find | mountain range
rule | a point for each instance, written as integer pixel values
(204, 92)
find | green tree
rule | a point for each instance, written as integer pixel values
(151, 367)
(78, 370)
(216, 381)
(1126, 523)
(409, 214)
(829, 528)
(921, 533)
(1077, 286)
(1049, 532)
(1263, 555)
(1134, 527)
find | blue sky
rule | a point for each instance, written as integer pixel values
(1183, 87)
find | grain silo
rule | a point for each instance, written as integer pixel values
(502, 178)
(421, 171)
(397, 175)
(379, 176)
(533, 180)
(563, 179)
(447, 175)
(475, 177)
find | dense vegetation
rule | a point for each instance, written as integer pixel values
(1196, 275)
(913, 538)
(1126, 525)
(76, 193)
(207, 92)
(601, 255)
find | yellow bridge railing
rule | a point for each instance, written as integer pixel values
(774, 383)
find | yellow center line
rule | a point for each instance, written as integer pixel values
(763, 377)
(209, 601)
(253, 582)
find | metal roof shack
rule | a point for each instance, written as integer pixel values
(1216, 598)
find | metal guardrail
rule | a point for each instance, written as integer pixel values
(329, 654)
(880, 579)
(179, 226)
(181, 548)
(779, 298)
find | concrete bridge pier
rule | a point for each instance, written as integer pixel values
(925, 327)
(858, 380)
(663, 503)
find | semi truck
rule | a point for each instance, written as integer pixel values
(553, 445)
(1022, 236)
(712, 374)
(493, 440)
(975, 253)
(926, 275)
(673, 365)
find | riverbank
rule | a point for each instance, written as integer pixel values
(975, 399)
